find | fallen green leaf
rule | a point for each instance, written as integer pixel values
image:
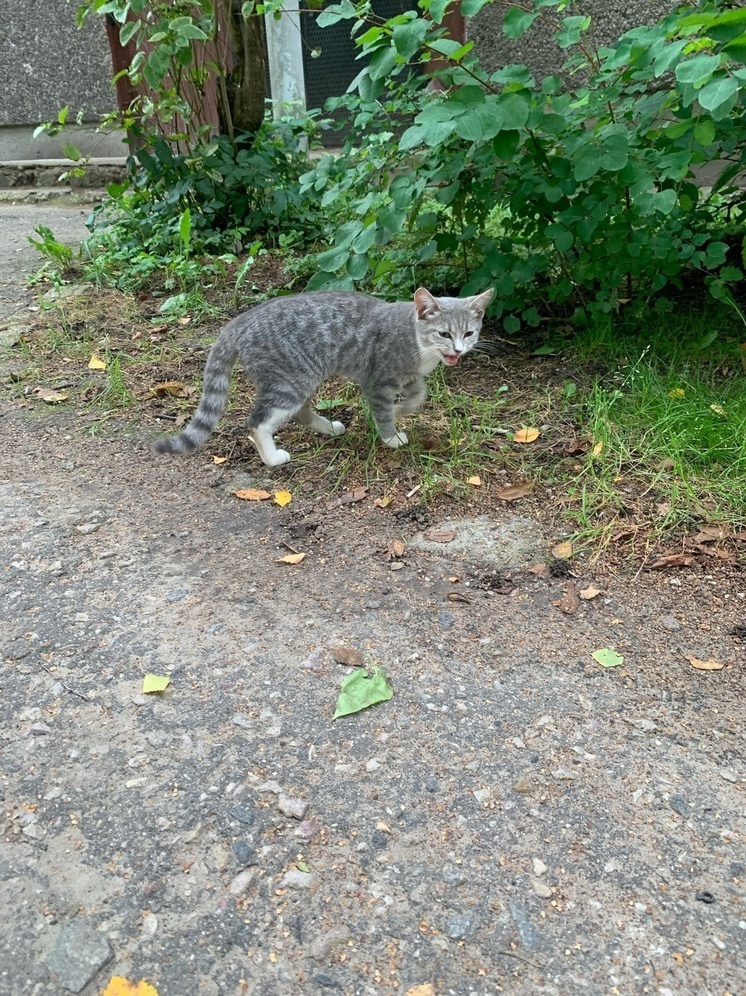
(155, 683)
(301, 866)
(358, 691)
(607, 658)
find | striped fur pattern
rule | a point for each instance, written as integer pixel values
(289, 345)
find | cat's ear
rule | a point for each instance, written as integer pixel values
(480, 302)
(425, 304)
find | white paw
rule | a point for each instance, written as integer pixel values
(399, 439)
(277, 458)
(338, 428)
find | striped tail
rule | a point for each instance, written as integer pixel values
(216, 384)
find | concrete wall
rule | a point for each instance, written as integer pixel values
(538, 50)
(45, 63)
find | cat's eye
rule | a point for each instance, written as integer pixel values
(444, 335)
(468, 333)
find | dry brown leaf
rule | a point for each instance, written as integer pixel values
(709, 665)
(515, 491)
(671, 560)
(347, 655)
(48, 396)
(218, 460)
(526, 435)
(292, 558)
(395, 548)
(711, 534)
(169, 389)
(440, 535)
(347, 499)
(590, 592)
(252, 494)
(540, 570)
(382, 502)
(572, 447)
(456, 596)
(569, 602)
(563, 551)
(475, 480)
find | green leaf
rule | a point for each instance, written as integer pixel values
(470, 8)
(72, 153)
(505, 144)
(717, 92)
(587, 162)
(736, 49)
(333, 259)
(705, 132)
(572, 29)
(155, 683)
(437, 9)
(517, 22)
(480, 123)
(698, 70)
(515, 110)
(128, 31)
(511, 324)
(358, 691)
(408, 37)
(607, 658)
(357, 266)
(185, 227)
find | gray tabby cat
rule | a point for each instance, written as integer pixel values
(289, 345)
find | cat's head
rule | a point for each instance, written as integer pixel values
(448, 327)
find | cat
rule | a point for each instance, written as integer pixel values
(289, 345)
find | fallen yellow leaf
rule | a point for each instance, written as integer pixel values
(169, 388)
(382, 502)
(590, 592)
(219, 460)
(598, 449)
(563, 551)
(283, 498)
(526, 435)
(155, 683)
(709, 665)
(718, 409)
(123, 987)
(292, 558)
(252, 494)
(426, 989)
(677, 392)
(475, 481)
(96, 363)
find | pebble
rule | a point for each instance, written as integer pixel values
(243, 721)
(482, 795)
(53, 793)
(542, 890)
(563, 774)
(86, 528)
(149, 924)
(396, 566)
(290, 805)
(323, 945)
(523, 786)
(78, 955)
(32, 714)
(296, 879)
(176, 596)
(728, 775)
(679, 804)
(106, 554)
(539, 867)
(241, 882)
(135, 782)
(270, 786)
(40, 729)
(373, 765)
(461, 926)
(445, 620)
(671, 623)
(717, 942)
(432, 784)
(307, 830)
(244, 852)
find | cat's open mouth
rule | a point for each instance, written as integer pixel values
(451, 358)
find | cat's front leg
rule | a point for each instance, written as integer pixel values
(382, 398)
(413, 395)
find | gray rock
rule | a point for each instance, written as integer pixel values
(290, 805)
(482, 541)
(176, 596)
(460, 926)
(40, 729)
(541, 889)
(296, 879)
(78, 955)
(671, 623)
(539, 867)
(241, 882)
(322, 946)
(88, 527)
(445, 620)
(679, 804)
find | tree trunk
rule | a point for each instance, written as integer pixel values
(242, 106)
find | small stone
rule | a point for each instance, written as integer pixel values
(717, 942)
(106, 554)
(541, 889)
(271, 786)
(563, 774)
(347, 655)
(241, 882)
(53, 793)
(296, 879)
(539, 867)
(290, 805)
(461, 926)
(314, 661)
(482, 795)
(373, 765)
(57, 689)
(322, 946)
(243, 721)
(522, 786)
(396, 566)
(432, 784)
(149, 924)
(679, 804)
(244, 852)
(243, 815)
(78, 955)
(86, 528)
(671, 623)
(176, 596)
(307, 830)
(40, 729)
(728, 775)
(135, 782)
(32, 714)
(445, 620)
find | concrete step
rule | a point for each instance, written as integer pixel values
(45, 174)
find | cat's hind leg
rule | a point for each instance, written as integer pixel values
(264, 422)
(308, 417)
